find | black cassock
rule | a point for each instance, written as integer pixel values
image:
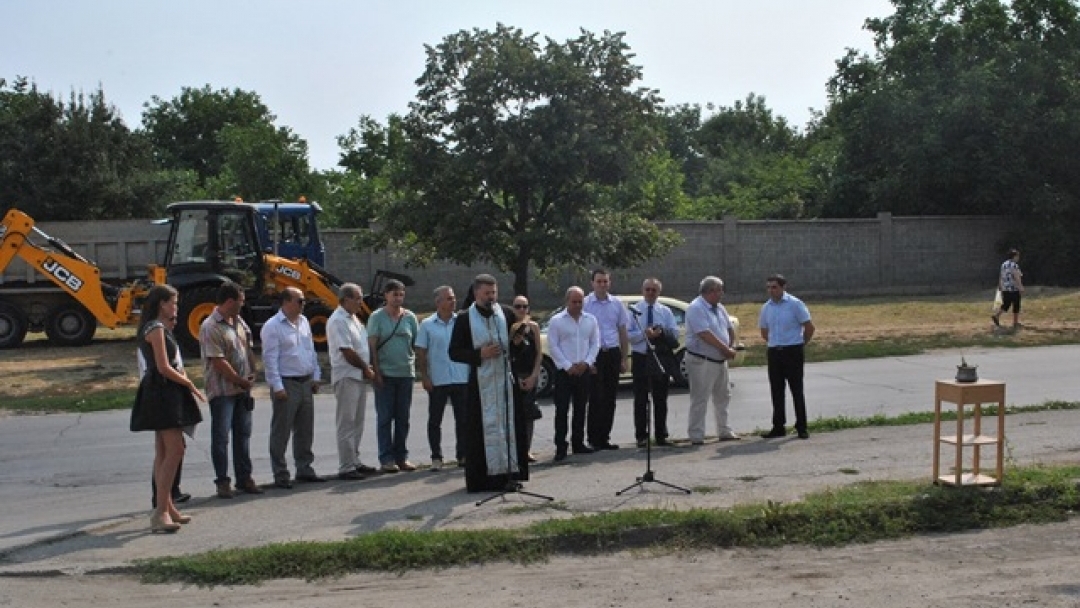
(477, 478)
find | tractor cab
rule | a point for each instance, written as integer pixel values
(290, 230)
(211, 241)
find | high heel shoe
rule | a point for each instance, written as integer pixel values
(159, 524)
(180, 518)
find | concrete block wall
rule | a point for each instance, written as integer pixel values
(885, 255)
(820, 258)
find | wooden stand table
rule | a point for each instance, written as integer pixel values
(974, 394)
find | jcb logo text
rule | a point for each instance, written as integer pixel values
(289, 272)
(62, 274)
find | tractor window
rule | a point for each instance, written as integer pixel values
(236, 240)
(192, 238)
(294, 230)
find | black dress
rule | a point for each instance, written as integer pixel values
(477, 478)
(522, 360)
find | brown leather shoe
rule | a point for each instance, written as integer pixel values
(250, 487)
(224, 490)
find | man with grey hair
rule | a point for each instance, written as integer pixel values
(710, 343)
(350, 373)
(442, 378)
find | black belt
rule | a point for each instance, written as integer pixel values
(300, 379)
(721, 362)
(788, 347)
(609, 348)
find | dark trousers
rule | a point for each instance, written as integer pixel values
(786, 365)
(644, 386)
(571, 389)
(229, 417)
(605, 386)
(437, 398)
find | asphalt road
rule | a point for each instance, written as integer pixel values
(74, 489)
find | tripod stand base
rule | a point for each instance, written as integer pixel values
(649, 477)
(514, 487)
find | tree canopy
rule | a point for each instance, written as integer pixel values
(518, 151)
(70, 160)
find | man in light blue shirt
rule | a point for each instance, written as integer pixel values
(614, 321)
(710, 343)
(786, 327)
(442, 378)
(292, 371)
(654, 324)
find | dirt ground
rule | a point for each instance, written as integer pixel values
(1022, 566)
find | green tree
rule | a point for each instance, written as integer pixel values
(746, 162)
(184, 130)
(967, 107)
(957, 109)
(73, 160)
(369, 153)
(261, 161)
(517, 152)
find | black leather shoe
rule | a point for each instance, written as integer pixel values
(774, 434)
(642, 443)
(310, 478)
(583, 449)
(181, 497)
(284, 483)
(605, 446)
(665, 442)
(804, 435)
(560, 453)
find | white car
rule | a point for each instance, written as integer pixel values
(545, 387)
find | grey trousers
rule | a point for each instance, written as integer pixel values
(295, 415)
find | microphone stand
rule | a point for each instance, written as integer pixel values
(513, 486)
(649, 476)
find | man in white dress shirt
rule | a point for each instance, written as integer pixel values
(573, 342)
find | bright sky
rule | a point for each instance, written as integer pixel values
(319, 65)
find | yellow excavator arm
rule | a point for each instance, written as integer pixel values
(73, 273)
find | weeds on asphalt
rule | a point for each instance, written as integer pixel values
(860, 513)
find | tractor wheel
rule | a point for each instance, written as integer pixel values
(69, 324)
(195, 306)
(318, 316)
(13, 325)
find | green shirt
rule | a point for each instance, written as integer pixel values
(395, 354)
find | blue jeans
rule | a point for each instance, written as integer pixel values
(392, 402)
(226, 416)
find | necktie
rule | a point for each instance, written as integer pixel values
(649, 317)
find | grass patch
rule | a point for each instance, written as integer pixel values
(839, 423)
(862, 512)
(81, 403)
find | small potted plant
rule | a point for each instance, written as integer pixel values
(965, 372)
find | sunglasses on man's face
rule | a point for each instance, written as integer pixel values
(521, 306)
